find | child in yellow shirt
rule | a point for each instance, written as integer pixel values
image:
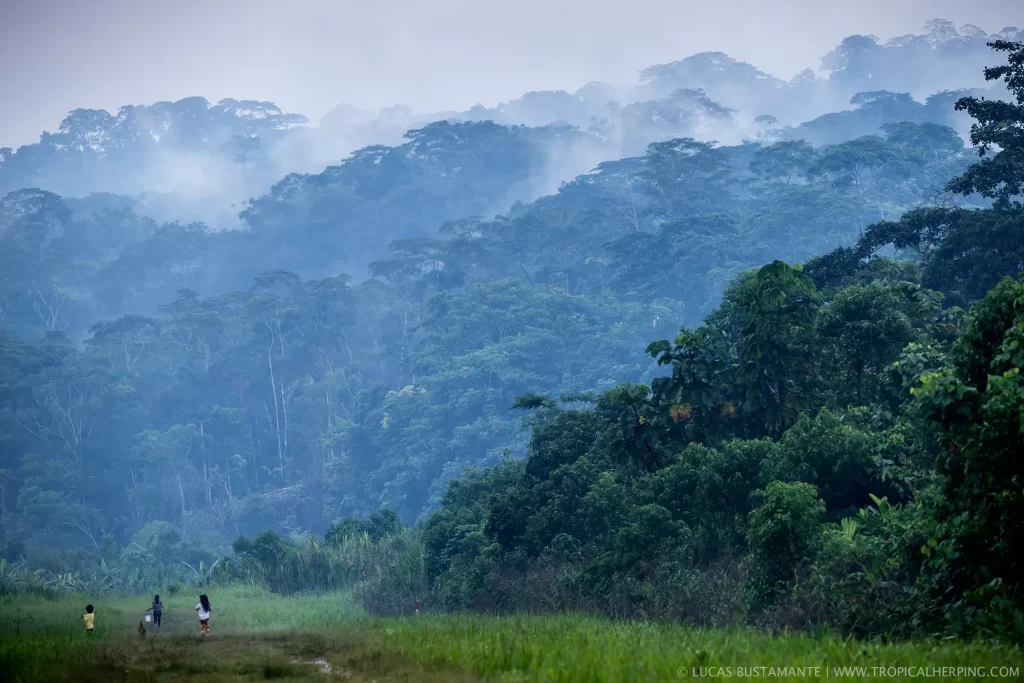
(90, 619)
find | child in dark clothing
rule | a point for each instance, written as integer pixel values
(157, 608)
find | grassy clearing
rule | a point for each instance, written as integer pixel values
(260, 636)
(45, 640)
(565, 648)
(236, 609)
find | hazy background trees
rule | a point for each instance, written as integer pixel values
(344, 363)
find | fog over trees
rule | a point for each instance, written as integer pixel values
(568, 339)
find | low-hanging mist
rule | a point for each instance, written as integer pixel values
(712, 347)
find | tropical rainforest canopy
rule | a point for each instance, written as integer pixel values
(568, 339)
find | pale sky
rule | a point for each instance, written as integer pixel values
(309, 55)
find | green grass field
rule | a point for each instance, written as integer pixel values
(259, 636)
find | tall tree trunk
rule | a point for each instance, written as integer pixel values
(330, 428)
(227, 481)
(206, 475)
(284, 409)
(277, 418)
(348, 349)
(130, 489)
(227, 489)
(181, 494)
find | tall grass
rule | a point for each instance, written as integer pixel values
(102, 577)
(571, 648)
(387, 573)
(258, 634)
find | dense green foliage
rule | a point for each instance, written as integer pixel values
(845, 456)
(830, 445)
(284, 403)
(775, 456)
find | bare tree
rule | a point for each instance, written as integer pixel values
(52, 307)
(632, 204)
(63, 417)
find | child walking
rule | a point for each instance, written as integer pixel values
(204, 614)
(157, 608)
(90, 619)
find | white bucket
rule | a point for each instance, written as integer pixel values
(148, 617)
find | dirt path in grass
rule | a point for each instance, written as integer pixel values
(288, 656)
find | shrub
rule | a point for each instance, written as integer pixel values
(785, 531)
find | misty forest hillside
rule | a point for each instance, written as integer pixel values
(353, 345)
(209, 156)
(615, 258)
(642, 243)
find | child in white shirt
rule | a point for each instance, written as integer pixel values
(204, 614)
